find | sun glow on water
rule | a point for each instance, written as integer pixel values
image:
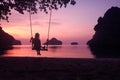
(63, 51)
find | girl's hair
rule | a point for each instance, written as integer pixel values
(36, 35)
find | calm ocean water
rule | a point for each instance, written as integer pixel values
(61, 51)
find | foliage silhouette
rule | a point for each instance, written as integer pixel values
(30, 5)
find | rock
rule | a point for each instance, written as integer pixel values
(74, 43)
(6, 40)
(106, 40)
(53, 41)
(16, 42)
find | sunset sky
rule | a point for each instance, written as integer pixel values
(74, 23)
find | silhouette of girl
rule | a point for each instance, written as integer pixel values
(36, 43)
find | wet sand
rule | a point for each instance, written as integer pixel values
(34, 68)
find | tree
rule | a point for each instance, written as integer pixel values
(30, 6)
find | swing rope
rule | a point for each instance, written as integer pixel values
(30, 24)
(49, 27)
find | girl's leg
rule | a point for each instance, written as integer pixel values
(38, 52)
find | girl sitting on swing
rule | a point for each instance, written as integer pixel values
(36, 43)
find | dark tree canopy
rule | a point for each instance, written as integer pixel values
(30, 5)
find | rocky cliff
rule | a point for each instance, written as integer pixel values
(106, 40)
(6, 40)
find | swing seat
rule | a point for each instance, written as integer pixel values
(42, 48)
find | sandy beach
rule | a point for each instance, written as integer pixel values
(34, 68)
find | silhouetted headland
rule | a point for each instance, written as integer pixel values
(16, 42)
(53, 41)
(106, 40)
(6, 41)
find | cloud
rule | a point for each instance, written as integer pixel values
(53, 23)
(56, 23)
(37, 23)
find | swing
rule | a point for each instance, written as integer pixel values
(44, 48)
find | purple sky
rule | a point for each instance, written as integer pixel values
(74, 23)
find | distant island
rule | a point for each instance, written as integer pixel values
(6, 40)
(74, 43)
(53, 41)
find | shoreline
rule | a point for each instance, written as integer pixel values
(42, 68)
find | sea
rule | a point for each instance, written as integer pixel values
(54, 51)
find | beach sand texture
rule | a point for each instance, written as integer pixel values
(34, 68)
